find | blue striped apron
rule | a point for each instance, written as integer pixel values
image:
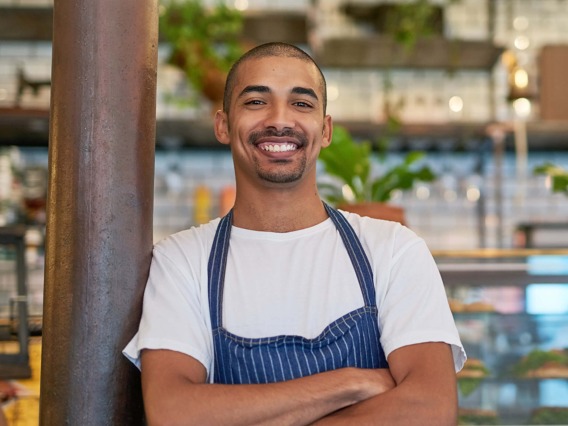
(350, 341)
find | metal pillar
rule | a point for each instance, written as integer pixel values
(100, 200)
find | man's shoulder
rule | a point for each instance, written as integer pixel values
(362, 224)
(194, 239)
(379, 233)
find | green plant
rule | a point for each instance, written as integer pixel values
(202, 39)
(558, 176)
(350, 161)
(408, 22)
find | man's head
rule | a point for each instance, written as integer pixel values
(266, 50)
(274, 118)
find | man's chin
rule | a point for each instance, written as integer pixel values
(280, 179)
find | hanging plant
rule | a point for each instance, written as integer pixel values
(408, 22)
(204, 41)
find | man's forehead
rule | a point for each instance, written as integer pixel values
(288, 71)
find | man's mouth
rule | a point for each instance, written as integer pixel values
(280, 143)
(278, 147)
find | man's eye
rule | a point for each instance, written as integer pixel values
(254, 102)
(303, 104)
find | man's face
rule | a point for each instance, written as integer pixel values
(276, 125)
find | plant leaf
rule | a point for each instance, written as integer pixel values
(348, 160)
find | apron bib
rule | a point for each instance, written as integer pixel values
(349, 341)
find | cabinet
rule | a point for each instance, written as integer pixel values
(510, 306)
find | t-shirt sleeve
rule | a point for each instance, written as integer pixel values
(172, 315)
(414, 308)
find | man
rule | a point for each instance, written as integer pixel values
(286, 311)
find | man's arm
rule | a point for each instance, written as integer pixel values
(425, 392)
(175, 393)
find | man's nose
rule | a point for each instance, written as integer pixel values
(279, 117)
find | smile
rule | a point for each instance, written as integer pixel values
(278, 147)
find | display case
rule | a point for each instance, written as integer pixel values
(511, 310)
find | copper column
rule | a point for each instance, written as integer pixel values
(100, 200)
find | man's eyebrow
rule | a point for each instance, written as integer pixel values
(305, 91)
(259, 89)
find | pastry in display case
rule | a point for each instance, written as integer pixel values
(543, 364)
(476, 416)
(549, 416)
(511, 310)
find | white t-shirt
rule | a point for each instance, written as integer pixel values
(293, 283)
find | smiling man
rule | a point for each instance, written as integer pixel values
(287, 311)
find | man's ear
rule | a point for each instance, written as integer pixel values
(221, 127)
(327, 131)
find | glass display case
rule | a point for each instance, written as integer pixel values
(511, 310)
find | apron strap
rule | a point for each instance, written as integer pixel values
(357, 255)
(216, 268)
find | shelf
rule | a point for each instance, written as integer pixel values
(172, 134)
(453, 136)
(381, 51)
(469, 315)
(24, 127)
(262, 27)
(475, 277)
(30, 127)
(543, 135)
(36, 24)
(26, 23)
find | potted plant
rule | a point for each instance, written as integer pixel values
(355, 188)
(204, 42)
(558, 176)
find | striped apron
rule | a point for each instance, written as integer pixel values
(350, 341)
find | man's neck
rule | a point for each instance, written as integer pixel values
(279, 211)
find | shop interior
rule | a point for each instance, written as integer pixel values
(480, 92)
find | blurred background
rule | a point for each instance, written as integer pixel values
(478, 86)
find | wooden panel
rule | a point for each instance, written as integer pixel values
(553, 88)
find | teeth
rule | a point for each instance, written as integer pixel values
(279, 147)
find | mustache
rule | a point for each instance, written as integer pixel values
(286, 133)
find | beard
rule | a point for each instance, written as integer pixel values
(281, 174)
(284, 171)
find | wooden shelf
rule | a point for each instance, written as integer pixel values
(171, 134)
(263, 27)
(36, 24)
(378, 51)
(24, 127)
(26, 23)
